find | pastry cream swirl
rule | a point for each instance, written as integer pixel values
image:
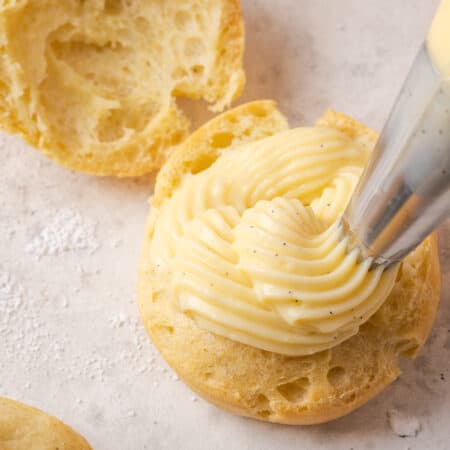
(254, 249)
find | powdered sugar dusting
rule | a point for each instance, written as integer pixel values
(402, 424)
(11, 297)
(28, 340)
(138, 360)
(66, 231)
(24, 336)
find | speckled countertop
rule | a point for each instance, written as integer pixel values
(70, 339)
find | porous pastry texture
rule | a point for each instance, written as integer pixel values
(93, 84)
(25, 428)
(258, 383)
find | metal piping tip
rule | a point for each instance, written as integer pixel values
(404, 192)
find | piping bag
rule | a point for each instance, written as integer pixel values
(404, 192)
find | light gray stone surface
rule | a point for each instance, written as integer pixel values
(70, 339)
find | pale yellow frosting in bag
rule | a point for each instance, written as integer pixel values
(438, 41)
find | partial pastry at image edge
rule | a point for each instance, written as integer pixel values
(23, 427)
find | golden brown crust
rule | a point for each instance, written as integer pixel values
(228, 77)
(244, 123)
(351, 127)
(268, 386)
(23, 427)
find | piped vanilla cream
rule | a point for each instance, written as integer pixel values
(253, 247)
